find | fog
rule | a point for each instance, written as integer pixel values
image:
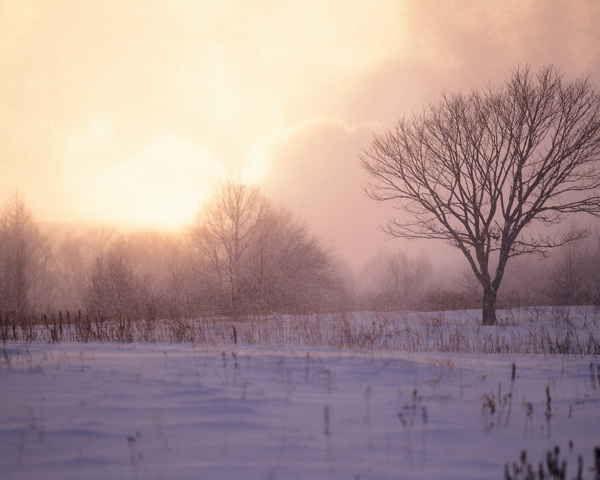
(132, 113)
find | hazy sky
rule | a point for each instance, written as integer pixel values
(132, 110)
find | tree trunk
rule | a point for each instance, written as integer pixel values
(489, 307)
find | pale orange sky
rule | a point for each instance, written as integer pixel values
(132, 110)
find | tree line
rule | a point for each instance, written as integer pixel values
(244, 256)
(396, 281)
(241, 256)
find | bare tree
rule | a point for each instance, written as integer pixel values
(72, 265)
(567, 277)
(289, 269)
(224, 232)
(24, 258)
(477, 170)
(114, 291)
(594, 271)
(395, 280)
(259, 258)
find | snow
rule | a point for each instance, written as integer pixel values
(227, 411)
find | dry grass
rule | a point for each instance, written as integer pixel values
(522, 331)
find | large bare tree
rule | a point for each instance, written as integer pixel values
(477, 170)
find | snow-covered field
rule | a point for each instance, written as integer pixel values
(241, 411)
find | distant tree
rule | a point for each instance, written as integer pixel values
(567, 277)
(160, 262)
(114, 291)
(254, 258)
(188, 290)
(477, 170)
(397, 281)
(593, 268)
(224, 231)
(24, 258)
(573, 277)
(288, 268)
(72, 266)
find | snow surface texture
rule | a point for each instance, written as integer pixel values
(184, 411)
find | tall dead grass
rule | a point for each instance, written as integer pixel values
(522, 331)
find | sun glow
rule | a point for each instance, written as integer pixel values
(162, 186)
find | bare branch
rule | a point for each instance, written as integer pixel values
(477, 170)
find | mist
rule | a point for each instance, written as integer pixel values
(132, 115)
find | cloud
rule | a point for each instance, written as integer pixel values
(314, 170)
(463, 45)
(86, 86)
